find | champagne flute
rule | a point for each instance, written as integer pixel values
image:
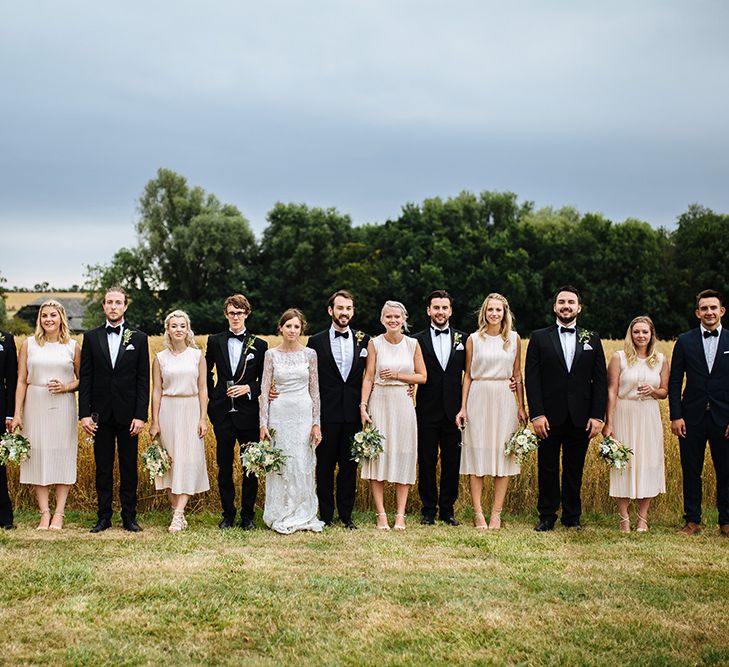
(95, 421)
(462, 429)
(642, 376)
(229, 384)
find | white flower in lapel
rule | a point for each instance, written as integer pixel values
(584, 335)
(457, 339)
(2, 337)
(359, 337)
(128, 333)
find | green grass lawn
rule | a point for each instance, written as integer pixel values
(431, 595)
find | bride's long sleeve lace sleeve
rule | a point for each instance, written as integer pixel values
(266, 382)
(314, 387)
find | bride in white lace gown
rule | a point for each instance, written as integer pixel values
(290, 368)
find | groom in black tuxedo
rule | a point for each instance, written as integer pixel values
(702, 413)
(8, 382)
(341, 353)
(566, 385)
(437, 404)
(114, 383)
(237, 357)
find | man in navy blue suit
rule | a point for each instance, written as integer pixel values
(702, 412)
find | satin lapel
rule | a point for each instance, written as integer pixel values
(243, 355)
(427, 342)
(554, 336)
(122, 348)
(104, 345)
(355, 357)
(223, 342)
(722, 346)
(579, 347)
(452, 350)
(330, 355)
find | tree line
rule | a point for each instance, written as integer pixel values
(193, 251)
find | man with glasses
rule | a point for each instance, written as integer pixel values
(237, 357)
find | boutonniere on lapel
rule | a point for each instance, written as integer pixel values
(457, 337)
(128, 333)
(584, 336)
(2, 337)
(359, 337)
(246, 348)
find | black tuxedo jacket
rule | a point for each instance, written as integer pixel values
(558, 394)
(703, 388)
(440, 396)
(340, 398)
(216, 355)
(119, 392)
(8, 376)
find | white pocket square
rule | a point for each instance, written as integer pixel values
(459, 346)
(725, 351)
(1, 347)
(363, 353)
(129, 347)
(250, 356)
(587, 346)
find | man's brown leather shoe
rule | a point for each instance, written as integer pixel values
(724, 530)
(690, 528)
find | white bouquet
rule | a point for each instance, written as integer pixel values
(14, 448)
(614, 452)
(156, 460)
(262, 457)
(367, 444)
(521, 443)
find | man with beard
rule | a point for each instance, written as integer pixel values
(437, 404)
(566, 385)
(114, 385)
(341, 355)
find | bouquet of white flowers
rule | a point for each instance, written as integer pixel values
(614, 452)
(521, 443)
(367, 444)
(14, 448)
(262, 457)
(156, 460)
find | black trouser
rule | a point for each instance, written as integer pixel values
(573, 441)
(336, 449)
(693, 448)
(430, 436)
(108, 436)
(226, 435)
(6, 505)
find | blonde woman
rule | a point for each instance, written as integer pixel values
(45, 409)
(179, 401)
(394, 361)
(637, 380)
(489, 409)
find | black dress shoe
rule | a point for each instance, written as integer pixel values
(575, 525)
(427, 520)
(225, 523)
(327, 522)
(101, 524)
(544, 526)
(246, 523)
(349, 524)
(8, 526)
(132, 526)
(451, 521)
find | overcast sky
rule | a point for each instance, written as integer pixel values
(617, 107)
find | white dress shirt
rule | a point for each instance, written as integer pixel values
(114, 341)
(441, 345)
(342, 351)
(711, 345)
(235, 349)
(568, 342)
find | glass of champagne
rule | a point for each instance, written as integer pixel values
(229, 384)
(462, 429)
(95, 421)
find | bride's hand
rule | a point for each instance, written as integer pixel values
(315, 435)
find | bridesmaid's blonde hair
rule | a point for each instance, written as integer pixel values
(653, 356)
(403, 310)
(64, 333)
(506, 322)
(189, 338)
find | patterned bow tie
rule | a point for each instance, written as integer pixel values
(438, 332)
(113, 330)
(566, 330)
(709, 334)
(241, 336)
(343, 334)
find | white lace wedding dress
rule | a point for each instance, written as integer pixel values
(291, 502)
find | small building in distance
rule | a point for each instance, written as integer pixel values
(74, 305)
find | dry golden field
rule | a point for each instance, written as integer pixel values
(520, 500)
(14, 301)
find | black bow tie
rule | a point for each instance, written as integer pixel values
(241, 336)
(113, 330)
(438, 332)
(709, 334)
(566, 330)
(343, 334)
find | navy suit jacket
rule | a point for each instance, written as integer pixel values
(703, 388)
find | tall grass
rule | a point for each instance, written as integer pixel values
(522, 496)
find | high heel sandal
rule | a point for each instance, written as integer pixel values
(55, 514)
(178, 522)
(44, 513)
(400, 526)
(642, 528)
(624, 523)
(387, 525)
(495, 520)
(484, 525)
